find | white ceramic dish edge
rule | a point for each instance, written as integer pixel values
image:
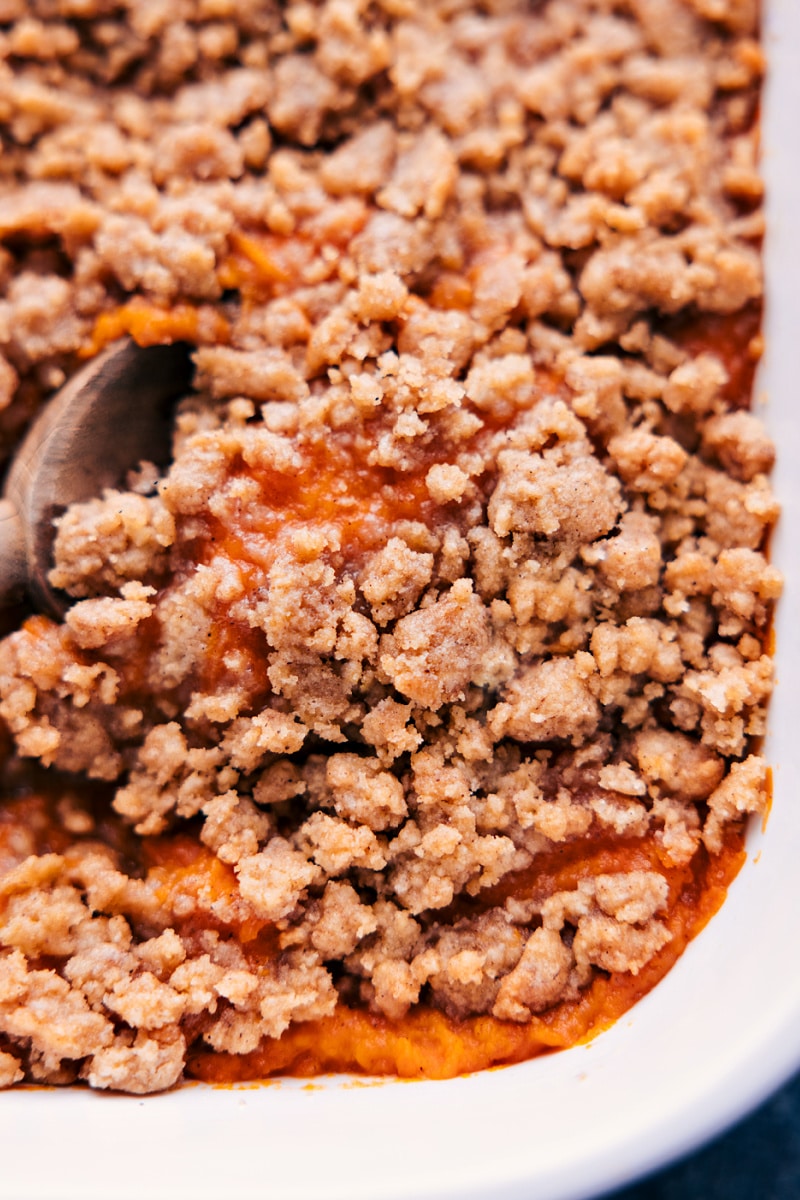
(716, 1036)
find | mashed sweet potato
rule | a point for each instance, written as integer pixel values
(406, 721)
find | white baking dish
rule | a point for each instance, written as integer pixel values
(713, 1039)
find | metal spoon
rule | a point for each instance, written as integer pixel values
(107, 419)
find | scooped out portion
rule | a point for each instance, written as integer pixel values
(407, 722)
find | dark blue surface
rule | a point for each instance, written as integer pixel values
(758, 1159)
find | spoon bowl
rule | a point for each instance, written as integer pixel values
(107, 419)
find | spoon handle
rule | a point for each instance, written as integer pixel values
(13, 566)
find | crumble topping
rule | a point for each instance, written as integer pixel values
(431, 670)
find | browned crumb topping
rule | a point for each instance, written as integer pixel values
(460, 558)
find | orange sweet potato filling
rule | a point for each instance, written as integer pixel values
(428, 1044)
(425, 1043)
(335, 490)
(150, 325)
(338, 489)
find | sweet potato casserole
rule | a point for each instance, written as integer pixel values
(407, 721)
